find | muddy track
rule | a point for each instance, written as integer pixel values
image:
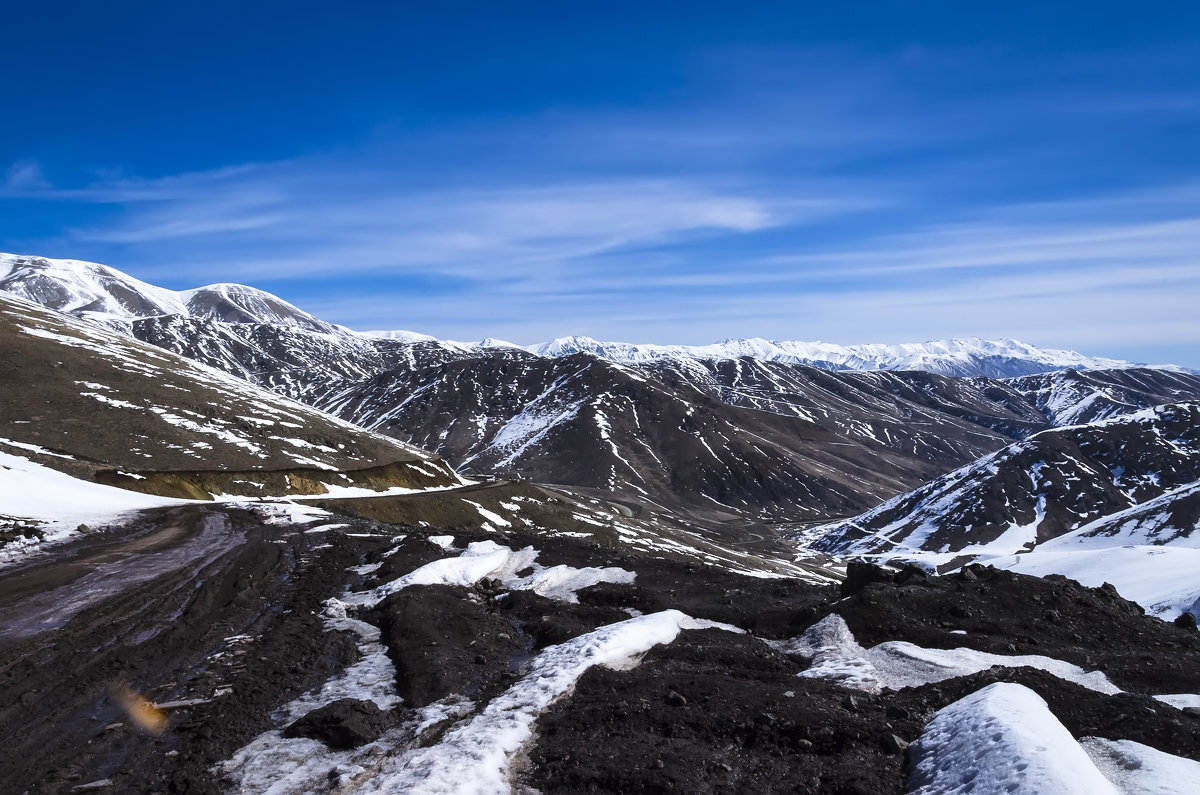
(170, 608)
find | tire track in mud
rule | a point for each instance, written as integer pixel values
(200, 603)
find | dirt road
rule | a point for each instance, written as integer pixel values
(187, 603)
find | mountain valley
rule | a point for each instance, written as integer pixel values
(243, 549)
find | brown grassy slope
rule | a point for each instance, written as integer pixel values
(107, 405)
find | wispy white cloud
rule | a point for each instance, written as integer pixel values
(783, 193)
(299, 219)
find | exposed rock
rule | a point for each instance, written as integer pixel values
(346, 723)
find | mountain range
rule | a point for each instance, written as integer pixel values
(742, 430)
(275, 554)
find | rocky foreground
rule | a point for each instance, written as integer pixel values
(213, 649)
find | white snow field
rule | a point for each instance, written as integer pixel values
(1138, 769)
(1002, 739)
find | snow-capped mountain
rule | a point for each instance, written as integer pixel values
(100, 293)
(956, 357)
(108, 295)
(739, 429)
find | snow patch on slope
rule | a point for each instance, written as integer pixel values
(1002, 739)
(1138, 769)
(893, 665)
(487, 559)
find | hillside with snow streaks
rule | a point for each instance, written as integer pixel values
(763, 439)
(740, 429)
(1050, 484)
(1077, 397)
(95, 404)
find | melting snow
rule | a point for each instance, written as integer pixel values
(487, 559)
(59, 502)
(1138, 769)
(898, 664)
(1002, 739)
(476, 757)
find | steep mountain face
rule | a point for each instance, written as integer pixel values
(96, 404)
(1052, 483)
(300, 363)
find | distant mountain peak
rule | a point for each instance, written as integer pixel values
(109, 296)
(82, 288)
(969, 356)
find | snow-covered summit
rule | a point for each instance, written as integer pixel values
(78, 287)
(101, 293)
(237, 303)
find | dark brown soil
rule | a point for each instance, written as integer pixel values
(237, 627)
(60, 721)
(1007, 613)
(717, 712)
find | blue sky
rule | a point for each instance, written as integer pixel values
(666, 172)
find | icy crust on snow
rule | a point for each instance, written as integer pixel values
(489, 560)
(1180, 700)
(1138, 769)
(372, 678)
(1002, 739)
(893, 665)
(475, 758)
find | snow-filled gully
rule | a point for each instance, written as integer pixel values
(1000, 739)
(477, 749)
